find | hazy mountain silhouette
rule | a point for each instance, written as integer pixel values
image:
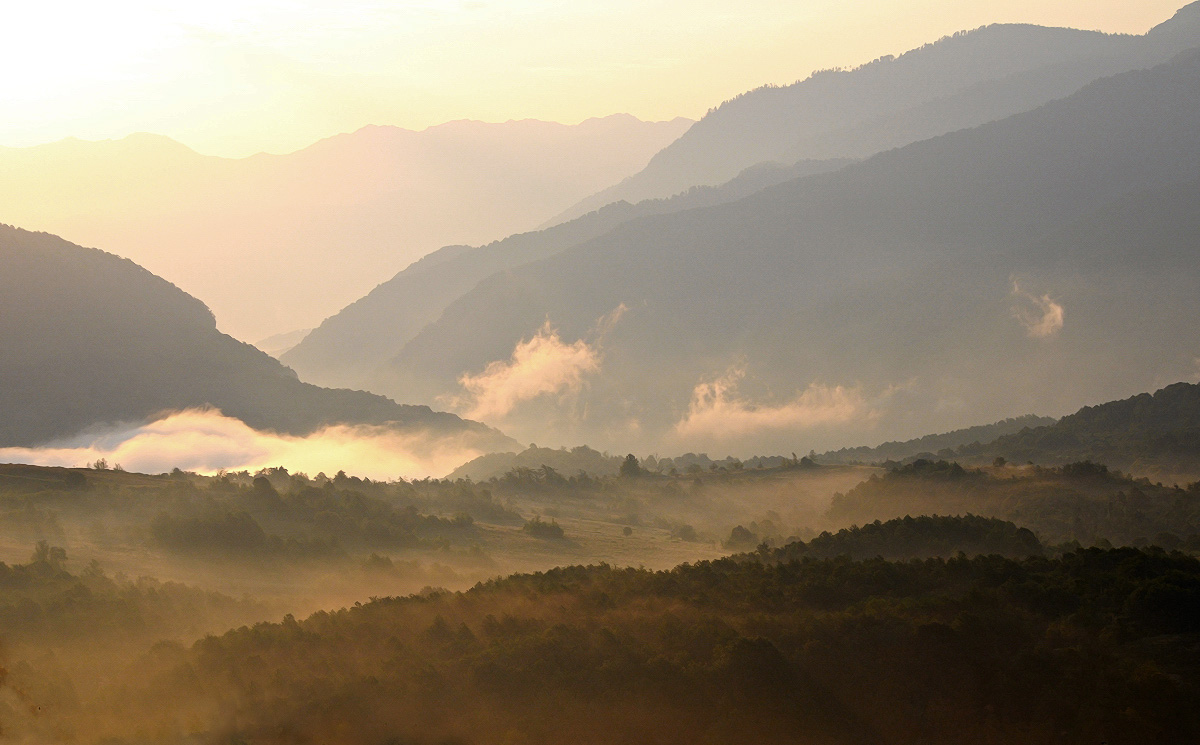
(347, 347)
(929, 281)
(935, 444)
(278, 242)
(90, 338)
(1157, 432)
(960, 81)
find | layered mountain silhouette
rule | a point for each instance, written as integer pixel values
(1019, 266)
(92, 339)
(346, 348)
(1158, 433)
(275, 243)
(963, 80)
(960, 81)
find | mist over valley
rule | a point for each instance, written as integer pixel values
(860, 409)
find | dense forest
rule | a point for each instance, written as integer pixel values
(1089, 646)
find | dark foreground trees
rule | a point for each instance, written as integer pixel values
(1088, 647)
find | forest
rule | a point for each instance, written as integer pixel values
(919, 602)
(1088, 646)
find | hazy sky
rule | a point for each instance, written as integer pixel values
(232, 77)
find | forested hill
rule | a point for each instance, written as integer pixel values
(935, 444)
(1084, 648)
(89, 337)
(1159, 431)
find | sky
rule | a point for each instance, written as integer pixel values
(235, 77)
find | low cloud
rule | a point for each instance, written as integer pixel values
(1041, 316)
(718, 411)
(207, 441)
(544, 365)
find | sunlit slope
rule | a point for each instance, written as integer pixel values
(91, 338)
(275, 243)
(957, 82)
(347, 347)
(1034, 264)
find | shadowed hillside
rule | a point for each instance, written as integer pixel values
(927, 282)
(958, 82)
(90, 338)
(1149, 434)
(348, 347)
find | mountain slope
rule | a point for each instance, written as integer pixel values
(932, 444)
(348, 346)
(958, 82)
(278, 242)
(90, 338)
(1157, 432)
(934, 276)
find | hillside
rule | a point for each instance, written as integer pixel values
(899, 295)
(1087, 647)
(346, 348)
(958, 82)
(1149, 434)
(1083, 502)
(275, 243)
(934, 444)
(91, 338)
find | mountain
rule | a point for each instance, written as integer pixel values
(347, 347)
(961, 81)
(1145, 434)
(90, 338)
(278, 242)
(1037, 263)
(278, 344)
(933, 444)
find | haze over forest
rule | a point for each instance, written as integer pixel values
(860, 409)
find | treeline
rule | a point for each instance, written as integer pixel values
(42, 602)
(1077, 502)
(1086, 647)
(1148, 433)
(915, 538)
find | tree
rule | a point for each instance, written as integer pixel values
(630, 467)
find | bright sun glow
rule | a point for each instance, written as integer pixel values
(235, 77)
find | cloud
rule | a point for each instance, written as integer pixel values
(717, 411)
(1041, 316)
(541, 366)
(207, 441)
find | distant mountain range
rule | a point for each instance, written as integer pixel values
(275, 243)
(978, 216)
(958, 82)
(90, 339)
(1031, 264)
(348, 347)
